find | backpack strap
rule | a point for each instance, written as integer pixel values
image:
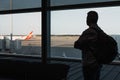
(98, 30)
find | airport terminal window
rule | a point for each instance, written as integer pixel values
(26, 33)
(67, 25)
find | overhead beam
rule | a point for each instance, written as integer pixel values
(64, 7)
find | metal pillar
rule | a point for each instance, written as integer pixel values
(45, 30)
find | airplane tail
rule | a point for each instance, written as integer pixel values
(29, 36)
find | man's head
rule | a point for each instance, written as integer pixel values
(92, 17)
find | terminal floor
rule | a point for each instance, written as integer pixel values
(108, 72)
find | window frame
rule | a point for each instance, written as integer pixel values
(45, 10)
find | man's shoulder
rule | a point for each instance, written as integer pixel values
(89, 30)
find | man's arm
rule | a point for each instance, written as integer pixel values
(89, 36)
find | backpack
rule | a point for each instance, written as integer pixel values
(107, 49)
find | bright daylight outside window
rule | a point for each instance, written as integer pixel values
(26, 33)
(67, 26)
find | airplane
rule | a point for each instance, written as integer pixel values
(29, 36)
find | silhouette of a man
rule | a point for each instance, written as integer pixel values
(87, 44)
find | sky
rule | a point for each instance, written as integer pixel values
(63, 22)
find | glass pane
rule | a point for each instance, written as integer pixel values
(19, 4)
(26, 33)
(67, 26)
(72, 2)
(4, 5)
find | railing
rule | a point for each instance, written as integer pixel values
(37, 58)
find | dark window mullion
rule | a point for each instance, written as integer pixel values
(45, 31)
